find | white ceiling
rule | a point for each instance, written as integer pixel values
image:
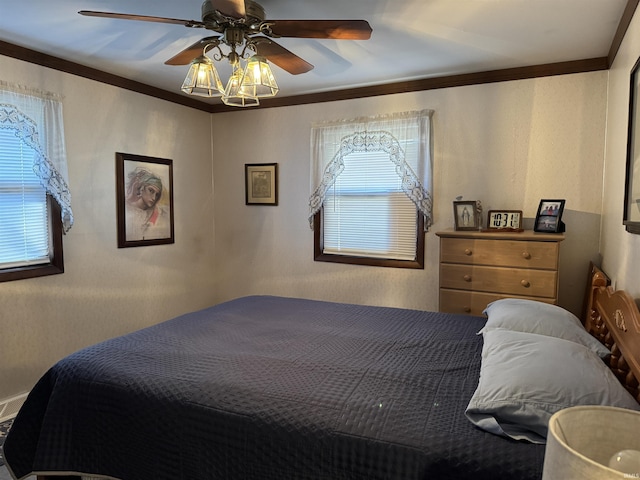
(411, 39)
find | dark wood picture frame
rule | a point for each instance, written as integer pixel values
(466, 215)
(631, 215)
(261, 184)
(549, 216)
(144, 198)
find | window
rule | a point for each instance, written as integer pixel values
(370, 206)
(34, 198)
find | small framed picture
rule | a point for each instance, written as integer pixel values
(261, 183)
(549, 216)
(144, 200)
(466, 215)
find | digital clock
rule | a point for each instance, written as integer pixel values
(504, 220)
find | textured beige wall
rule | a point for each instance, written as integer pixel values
(620, 250)
(506, 144)
(106, 291)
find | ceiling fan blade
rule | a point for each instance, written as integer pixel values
(336, 29)
(230, 8)
(282, 57)
(193, 51)
(144, 18)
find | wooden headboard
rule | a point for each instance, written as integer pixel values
(613, 318)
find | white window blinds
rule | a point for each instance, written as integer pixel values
(371, 178)
(33, 168)
(24, 225)
(35, 117)
(367, 213)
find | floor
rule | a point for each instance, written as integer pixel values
(4, 473)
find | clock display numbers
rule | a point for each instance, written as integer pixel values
(504, 220)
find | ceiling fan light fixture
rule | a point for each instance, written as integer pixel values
(202, 79)
(258, 79)
(235, 94)
(235, 23)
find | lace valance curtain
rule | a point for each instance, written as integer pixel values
(392, 134)
(36, 118)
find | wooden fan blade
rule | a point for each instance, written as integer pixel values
(230, 8)
(282, 57)
(336, 29)
(188, 54)
(143, 18)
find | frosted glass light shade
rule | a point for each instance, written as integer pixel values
(235, 94)
(258, 80)
(202, 79)
(582, 440)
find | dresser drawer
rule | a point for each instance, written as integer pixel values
(505, 253)
(510, 281)
(474, 303)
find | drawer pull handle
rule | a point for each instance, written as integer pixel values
(526, 255)
(467, 278)
(468, 251)
(525, 283)
(467, 309)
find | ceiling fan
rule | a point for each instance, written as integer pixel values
(238, 22)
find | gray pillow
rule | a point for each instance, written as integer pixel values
(542, 318)
(525, 378)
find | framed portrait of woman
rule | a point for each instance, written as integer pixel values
(144, 197)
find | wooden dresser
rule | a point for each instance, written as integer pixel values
(477, 268)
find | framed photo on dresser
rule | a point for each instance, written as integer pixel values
(466, 215)
(549, 216)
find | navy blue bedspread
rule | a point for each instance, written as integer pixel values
(270, 388)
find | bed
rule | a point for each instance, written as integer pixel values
(613, 318)
(266, 387)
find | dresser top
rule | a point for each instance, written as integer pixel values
(527, 235)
